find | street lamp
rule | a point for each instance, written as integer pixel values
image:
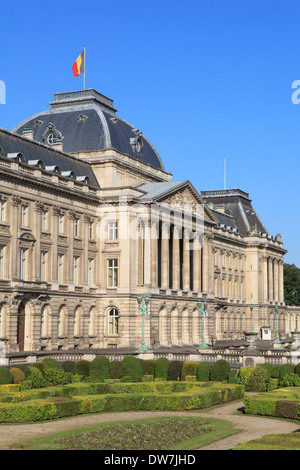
(251, 316)
(276, 340)
(202, 309)
(143, 310)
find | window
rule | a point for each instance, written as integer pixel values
(44, 220)
(112, 272)
(76, 228)
(60, 223)
(90, 272)
(51, 138)
(43, 265)
(77, 321)
(43, 321)
(113, 230)
(113, 321)
(2, 211)
(91, 230)
(23, 264)
(60, 269)
(1, 262)
(75, 269)
(23, 215)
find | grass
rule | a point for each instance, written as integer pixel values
(290, 441)
(167, 433)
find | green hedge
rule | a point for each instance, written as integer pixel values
(283, 403)
(58, 407)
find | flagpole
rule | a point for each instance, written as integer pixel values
(84, 69)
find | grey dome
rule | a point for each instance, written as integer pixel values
(86, 121)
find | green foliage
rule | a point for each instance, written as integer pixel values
(25, 369)
(82, 367)
(189, 368)
(290, 380)
(233, 377)
(133, 366)
(269, 368)
(203, 371)
(68, 366)
(99, 368)
(297, 369)
(35, 379)
(40, 366)
(57, 376)
(244, 374)
(51, 362)
(174, 370)
(291, 275)
(257, 380)
(161, 368)
(149, 366)
(6, 376)
(18, 375)
(220, 371)
(275, 373)
(284, 370)
(117, 370)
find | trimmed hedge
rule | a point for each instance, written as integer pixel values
(189, 368)
(6, 376)
(220, 371)
(99, 368)
(283, 403)
(161, 368)
(133, 366)
(58, 407)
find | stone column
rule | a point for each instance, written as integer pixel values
(280, 281)
(55, 213)
(38, 207)
(154, 253)
(85, 254)
(196, 263)
(270, 269)
(70, 231)
(147, 253)
(14, 228)
(186, 260)
(176, 257)
(265, 278)
(276, 296)
(165, 255)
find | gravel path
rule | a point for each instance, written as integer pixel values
(252, 427)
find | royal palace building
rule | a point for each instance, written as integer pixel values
(90, 219)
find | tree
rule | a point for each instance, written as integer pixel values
(291, 275)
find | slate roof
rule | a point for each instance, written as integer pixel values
(238, 210)
(11, 143)
(155, 190)
(88, 121)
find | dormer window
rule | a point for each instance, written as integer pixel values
(52, 138)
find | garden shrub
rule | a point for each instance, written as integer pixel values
(275, 373)
(144, 366)
(68, 366)
(161, 368)
(257, 380)
(269, 368)
(203, 371)
(284, 370)
(18, 375)
(25, 369)
(233, 377)
(297, 369)
(174, 370)
(150, 366)
(6, 376)
(51, 363)
(117, 370)
(35, 379)
(82, 367)
(189, 368)
(288, 409)
(133, 366)
(55, 376)
(220, 371)
(99, 368)
(290, 380)
(41, 366)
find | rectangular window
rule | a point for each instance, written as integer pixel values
(2, 211)
(91, 230)
(76, 270)
(76, 228)
(43, 265)
(44, 220)
(60, 269)
(90, 272)
(24, 215)
(60, 224)
(1, 262)
(113, 230)
(112, 272)
(23, 264)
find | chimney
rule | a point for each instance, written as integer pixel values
(28, 133)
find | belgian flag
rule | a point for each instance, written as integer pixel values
(78, 66)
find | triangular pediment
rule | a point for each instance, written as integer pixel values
(181, 196)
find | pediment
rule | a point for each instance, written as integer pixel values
(188, 199)
(27, 237)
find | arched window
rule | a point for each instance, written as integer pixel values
(62, 318)
(77, 322)
(113, 321)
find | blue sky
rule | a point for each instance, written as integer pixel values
(204, 80)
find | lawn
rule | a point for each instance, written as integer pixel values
(289, 441)
(167, 433)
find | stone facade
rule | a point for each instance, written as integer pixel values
(75, 254)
